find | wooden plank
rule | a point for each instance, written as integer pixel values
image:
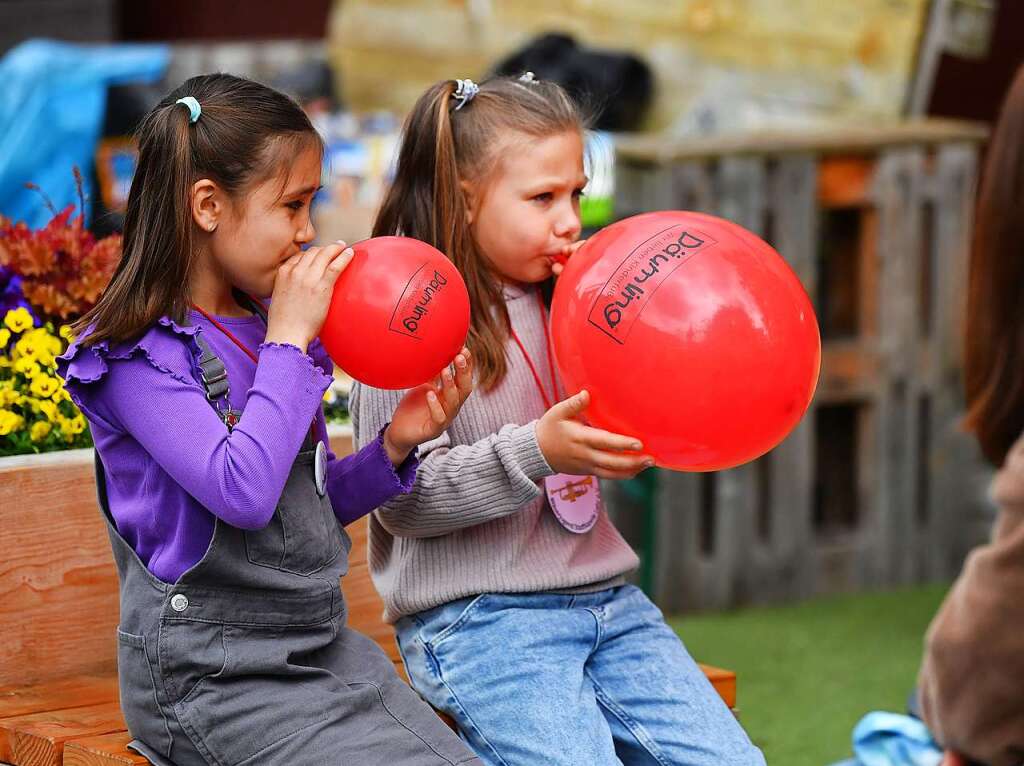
(844, 181)
(742, 192)
(899, 195)
(833, 139)
(677, 573)
(956, 468)
(849, 372)
(77, 691)
(38, 739)
(794, 197)
(102, 750)
(724, 682)
(734, 503)
(692, 188)
(869, 268)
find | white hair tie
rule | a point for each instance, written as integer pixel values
(465, 92)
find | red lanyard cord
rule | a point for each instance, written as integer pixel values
(529, 362)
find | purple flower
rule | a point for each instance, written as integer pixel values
(11, 296)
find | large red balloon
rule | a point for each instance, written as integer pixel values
(691, 334)
(399, 314)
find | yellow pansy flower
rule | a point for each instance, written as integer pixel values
(27, 366)
(49, 409)
(5, 336)
(66, 334)
(9, 421)
(35, 348)
(18, 320)
(44, 386)
(61, 395)
(8, 396)
(75, 425)
(40, 430)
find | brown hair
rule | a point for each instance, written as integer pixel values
(442, 146)
(245, 133)
(994, 339)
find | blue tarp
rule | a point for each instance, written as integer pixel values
(51, 115)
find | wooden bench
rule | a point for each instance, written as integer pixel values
(59, 609)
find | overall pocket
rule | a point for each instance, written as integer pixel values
(137, 684)
(303, 535)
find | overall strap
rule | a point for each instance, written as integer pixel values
(212, 372)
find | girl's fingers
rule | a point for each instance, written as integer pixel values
(447, 392)
(339, 264)
(464, 373)
(436, 410)
(605, 440)
(571, 407)
(616, 463)
(325, 257)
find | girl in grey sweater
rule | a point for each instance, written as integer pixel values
(500, 569)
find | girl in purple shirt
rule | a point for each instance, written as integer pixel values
(225, 509)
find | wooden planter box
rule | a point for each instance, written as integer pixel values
(58, 584)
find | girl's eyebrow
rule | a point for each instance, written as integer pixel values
(304, 191)
(547, 183)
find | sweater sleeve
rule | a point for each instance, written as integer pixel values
(974, 655)
(456, 486)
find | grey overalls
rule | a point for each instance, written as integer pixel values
(246, 659)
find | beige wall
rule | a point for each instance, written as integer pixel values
(784, 61)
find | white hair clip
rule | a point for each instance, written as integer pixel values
(465, 91)
(528, 78)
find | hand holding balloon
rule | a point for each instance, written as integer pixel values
(302, 293)
(571, 447)
(426, 411)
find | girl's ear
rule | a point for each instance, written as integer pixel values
(207, 204)
(472, 199)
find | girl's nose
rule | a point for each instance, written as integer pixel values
(568, 225)
(307, 233)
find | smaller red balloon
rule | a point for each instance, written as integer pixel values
(399, 314)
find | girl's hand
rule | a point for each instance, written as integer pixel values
(571, 447)
(425, 412)
(952, 759)
(302, 293)
(570, 250)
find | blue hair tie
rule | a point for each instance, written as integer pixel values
(194, 109)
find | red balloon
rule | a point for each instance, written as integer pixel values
(691, 334)
(399, 314)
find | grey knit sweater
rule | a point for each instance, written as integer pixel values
(477, 519)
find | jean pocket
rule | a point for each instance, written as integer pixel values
(438, 625)
(138, 690)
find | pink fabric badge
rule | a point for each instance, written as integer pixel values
(574, 500)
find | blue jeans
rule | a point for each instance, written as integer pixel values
(592, 679)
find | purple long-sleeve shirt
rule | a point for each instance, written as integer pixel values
(171, 464)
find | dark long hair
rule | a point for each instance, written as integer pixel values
(245, 134)
(994, 341)
(441, 147)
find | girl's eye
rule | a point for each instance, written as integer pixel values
(542, 197)
(577, 193)
(295, 204)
